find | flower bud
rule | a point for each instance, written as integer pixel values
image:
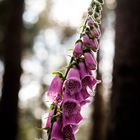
(90, 23)
(96, 32)
(78, 50)
(90, 11)
(92, 43)
(90, 61)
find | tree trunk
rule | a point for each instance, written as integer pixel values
(11, 77)
(124, 119)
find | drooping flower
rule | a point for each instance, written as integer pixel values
(48, 123)
(92, 43)
(96, 32)
(90, 61)
(71, 107)
(73, 82)
(86, 77)
(77, 96)
(83, 70)
(71, 112)
(85, 93)
(68, 133)
(56, 133)
(89, 81)
(78, 50)
(90, 22)
(70, 93)
(55, 90)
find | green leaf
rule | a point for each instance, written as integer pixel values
(58, 73)
(52, 106)
(53, 119)
(40, 129)
(71, 49)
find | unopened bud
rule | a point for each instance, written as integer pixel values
(90, 11)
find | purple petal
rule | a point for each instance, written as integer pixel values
(85, 93)
(88, 81)
(73, 72)
(78, 50)
(74, 120)
(56, 131)
(55, 89)
(83, 69)
(92, 43)
(90, 22)
(68, 133)
(77, 96)
(48, 124)
(73, 85)
(90, 61)
(96, 32)
(71, 107)
(73, 82)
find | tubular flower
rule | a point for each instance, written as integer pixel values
(71, 112)
(56, 131)
(78, 50)
(90, 22)
(91, 43)
(70, 91)
(55, 90)
(96, 32)
(77, 96)
(68, 133)
(73, 82)
(71, 107)
(87, 78)
(90, 61)
(48, 124)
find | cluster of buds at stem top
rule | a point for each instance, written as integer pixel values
(69, 92)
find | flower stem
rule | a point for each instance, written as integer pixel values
(71, 62)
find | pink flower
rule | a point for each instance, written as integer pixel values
(78, 50)
(71, 112)
(55, 89)
(83, 70)
(56, 133)
(92, 43)
(90, 61)
(71, 107)
(48, 124)
(73, 82)
(68, 133)
(77, 96)
(87, 78)
(90, 22)
(96, 32)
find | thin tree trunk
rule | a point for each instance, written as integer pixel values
(11, 78)
(124, 119)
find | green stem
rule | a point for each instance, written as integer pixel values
(68, 68)
(49, 136)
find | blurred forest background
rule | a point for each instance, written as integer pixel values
(35, 39)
